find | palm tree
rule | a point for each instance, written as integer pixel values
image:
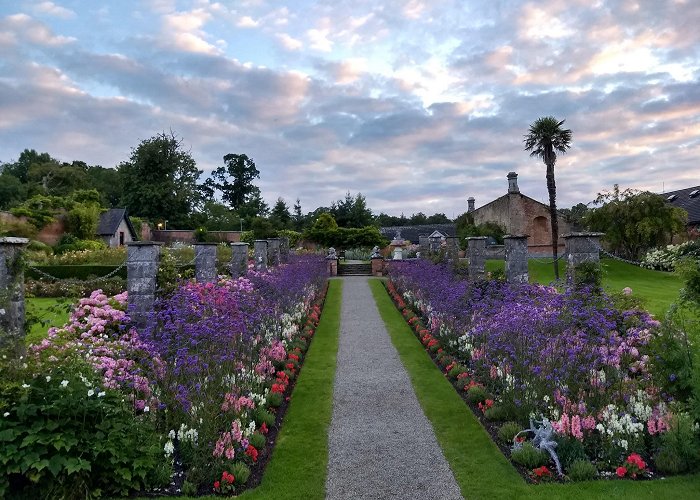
(545, 137)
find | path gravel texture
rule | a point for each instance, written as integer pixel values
(381, 445)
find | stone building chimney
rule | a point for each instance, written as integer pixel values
(513, 183)
(470, 204)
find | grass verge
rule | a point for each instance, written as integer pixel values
(297, 469)
(479, 467)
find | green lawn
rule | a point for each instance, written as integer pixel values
(48, 312)
(658, 289)
(479, 467)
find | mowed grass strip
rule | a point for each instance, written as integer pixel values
(479, 467)
(297, 469)
(48, 313)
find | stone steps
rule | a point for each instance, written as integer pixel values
(355, 270)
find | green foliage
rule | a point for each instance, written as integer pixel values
(528, 456)
(79, 272)
(508, 430)
(28, 157)
(257, 440)
(323, 233)
(76, 245)
(280, 217)
(466, 228)
(41, 210)
(680, 446)
(241, 472)
(82, 220)
(262, 416)
(262, 229)
(18, 229)
(234, 180)
(12, 191)
(200, 234)
(476, 394)
(635, 221)
(73, 288)
(63, 437)
(569, 450)
(457, 370)
(666, 258)
(160, 180)
(325, 222)
(352, 212)
(582, 470)
(499, 413)
(274, 399)
(671, 349)
(293, 236)
(588, 274)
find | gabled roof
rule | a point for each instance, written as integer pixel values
(682, 199)
(110, 220)
(412, 233)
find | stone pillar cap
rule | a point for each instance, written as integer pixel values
(516, 236)
(240, 243)
(476, 237)
(581, 235)
(144, 243)
(12, 240)
(205, 243)
(261, 241)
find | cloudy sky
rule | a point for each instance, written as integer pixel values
(416, 104)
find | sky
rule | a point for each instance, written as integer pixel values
(417, 105)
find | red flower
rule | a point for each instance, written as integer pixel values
(542, 471)
(290, 366)
(263, 428)
(293, 357)
(520, 439)
(252, 452)
(280, 388)
(226, 478)
(217, 485)
(621, 471)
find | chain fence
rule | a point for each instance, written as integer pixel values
(86, 282)
(613, 256)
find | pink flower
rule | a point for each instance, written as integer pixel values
(621, 471)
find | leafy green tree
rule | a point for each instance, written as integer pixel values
(262, 228)
(438, 219)
(280, 216)
(635, 221)
(544, 139)
(235, 180)
(325, 222)
(298, 217)
(108, 182)
(352, 211)
(467, 228)
(216, 216)
(27, 158)
(254, 206)
(385, 220)
(12, 191)
(418, 219)
(160, 180)
(575, 214)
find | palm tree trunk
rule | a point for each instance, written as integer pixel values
(552, 190)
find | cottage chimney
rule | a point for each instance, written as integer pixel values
(513, 183)
(470, 204)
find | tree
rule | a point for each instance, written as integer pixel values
(235, 180)
(281, 218)
(576, 214)
(545, 138)
(160, 180)
(53, 179)
(12, 191)
(108, 183)
(635, 221)
(418, 219)
(298, 217)
(438, 219)
(27, 158)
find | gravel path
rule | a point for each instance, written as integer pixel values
(381, 445)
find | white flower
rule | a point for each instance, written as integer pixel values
(25, 386)
(101, 394)
(91, 393)
(64, 383)
(48, 378)
(169, 448)
(146, 409)
(6, 414)
(171, 434)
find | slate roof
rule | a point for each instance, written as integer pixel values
(110, 220)
(684, 200)
(412, 233)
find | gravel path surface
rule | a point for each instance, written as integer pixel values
(381, 445)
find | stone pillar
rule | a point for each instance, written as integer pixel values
(579, 249)
(452, 249)
(260, 255)
(332, 259)
(377, 266)
(142, 260)
(284, 250)
(477, 256)
(424, 246)
(273, 251)
(205, 262)
(12, 309)
(516, 258)
(239, 260)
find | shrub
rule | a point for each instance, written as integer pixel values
(476, 394)
(257, 440)
(528, 456)
(274, 399)
(507, 431)
(68, 438)
(241, 472)
(498, 413)
(569, 450)
(457, 370)
(263, 416)
(680, 446)
(582, 470)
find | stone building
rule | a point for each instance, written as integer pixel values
(689, 200)
(520, 214)
(115, 228)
